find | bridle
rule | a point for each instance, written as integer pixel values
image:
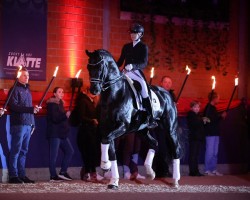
(107, 84)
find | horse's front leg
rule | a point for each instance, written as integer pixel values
(106, 151)
(114, 180)
(108, 156)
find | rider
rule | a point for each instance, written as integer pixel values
(135, 55)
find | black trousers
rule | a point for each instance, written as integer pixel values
(89, 143)
(194, 153)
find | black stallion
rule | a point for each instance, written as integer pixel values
(121, 114)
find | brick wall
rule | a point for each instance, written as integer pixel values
(74, 26)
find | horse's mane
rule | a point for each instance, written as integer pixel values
(104, 53)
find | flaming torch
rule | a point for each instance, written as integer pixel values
(151, 75)
(188, 72)
(213, 87)
(211, 95)
(2, 110)
(75, 82)
(47, 89)
(235, 86)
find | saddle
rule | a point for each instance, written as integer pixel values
(155, 103)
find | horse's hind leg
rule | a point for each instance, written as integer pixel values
(148, 164)
(176, 172)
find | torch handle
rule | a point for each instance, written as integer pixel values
(150, 81)
(184, 82)
(10, 94)
(46, 91)
(231, 98)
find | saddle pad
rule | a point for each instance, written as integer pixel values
(155, 101)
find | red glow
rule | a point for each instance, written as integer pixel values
(72, 32)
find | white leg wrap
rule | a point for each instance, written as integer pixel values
(114, 169)
(105, 150)
(150, 157)
(114, 174)
(176, 169)
(148, 164)
(105, 163)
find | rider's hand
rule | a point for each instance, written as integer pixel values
(129, 67)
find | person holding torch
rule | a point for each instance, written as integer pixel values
(22, 125)
(212, 132)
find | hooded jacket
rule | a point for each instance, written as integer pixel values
(57, 121)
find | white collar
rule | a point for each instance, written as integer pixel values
(135, 42)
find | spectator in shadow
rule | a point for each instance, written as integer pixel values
(196, 137)
(88, 140)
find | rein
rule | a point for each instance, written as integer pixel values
(96, 63)
(107, 84)
(111, 82)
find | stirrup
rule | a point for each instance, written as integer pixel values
(105, 165)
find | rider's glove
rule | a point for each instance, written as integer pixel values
(129, 67)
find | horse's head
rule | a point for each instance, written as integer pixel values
(103, 71)
(96, 71)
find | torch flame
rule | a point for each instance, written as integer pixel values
(236, 81)
(152, 72)
(55, 72)
(19, 72)
(214, 82)
(188, 70)
(78, 73)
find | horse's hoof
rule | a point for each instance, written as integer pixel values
(113, 187)
(176, 184)
(113, 184)
(150, 174)
(105, 165)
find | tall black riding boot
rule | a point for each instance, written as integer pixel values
(147, 105)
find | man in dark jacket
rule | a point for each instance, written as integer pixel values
(22, 124)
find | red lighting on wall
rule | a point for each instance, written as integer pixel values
(72, 34)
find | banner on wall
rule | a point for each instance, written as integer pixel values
(23, 38)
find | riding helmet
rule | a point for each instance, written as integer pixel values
(136, 28)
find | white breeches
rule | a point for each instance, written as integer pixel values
(135, 75)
